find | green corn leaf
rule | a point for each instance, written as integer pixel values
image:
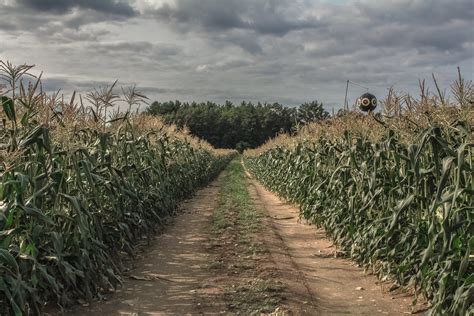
(8, 108)
(8, 260)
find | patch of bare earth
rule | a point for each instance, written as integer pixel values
(318, 281)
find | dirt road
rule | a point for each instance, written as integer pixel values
(175, 276)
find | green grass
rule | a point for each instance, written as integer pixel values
(235, 205)
(236, 224)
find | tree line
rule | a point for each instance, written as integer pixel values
(241, 126)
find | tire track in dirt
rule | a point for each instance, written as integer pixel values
(299, 298)
(318, 282)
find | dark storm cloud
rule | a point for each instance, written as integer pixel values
(114, 7)
(220, 15)
(49, 18)
(263, 17)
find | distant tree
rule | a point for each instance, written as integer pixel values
(158, 108)
(236, 126)
(310, 112)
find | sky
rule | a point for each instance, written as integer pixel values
(286, 51)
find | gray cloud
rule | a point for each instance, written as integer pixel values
(269, 50)
(417, 12)
(54, 84)
(403, 24)
(115, 7)
(264, 17)
(336, 30)
(135, 50)
(49, 18)
(7, 26)
(250, 43)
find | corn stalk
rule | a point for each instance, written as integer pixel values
(78, 191)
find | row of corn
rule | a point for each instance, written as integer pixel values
(78, 192)
(394, 194)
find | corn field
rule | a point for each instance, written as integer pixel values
(393, 191)
(80, 186)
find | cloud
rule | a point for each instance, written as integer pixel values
(135, 52)
(67, 84)
(234, 22)
(287, 50)
(396, 24)
(48, 18)
(201, 68)
(249, 43)
(263, 17)
(417, 12)
(330, 29)
(114, 7)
